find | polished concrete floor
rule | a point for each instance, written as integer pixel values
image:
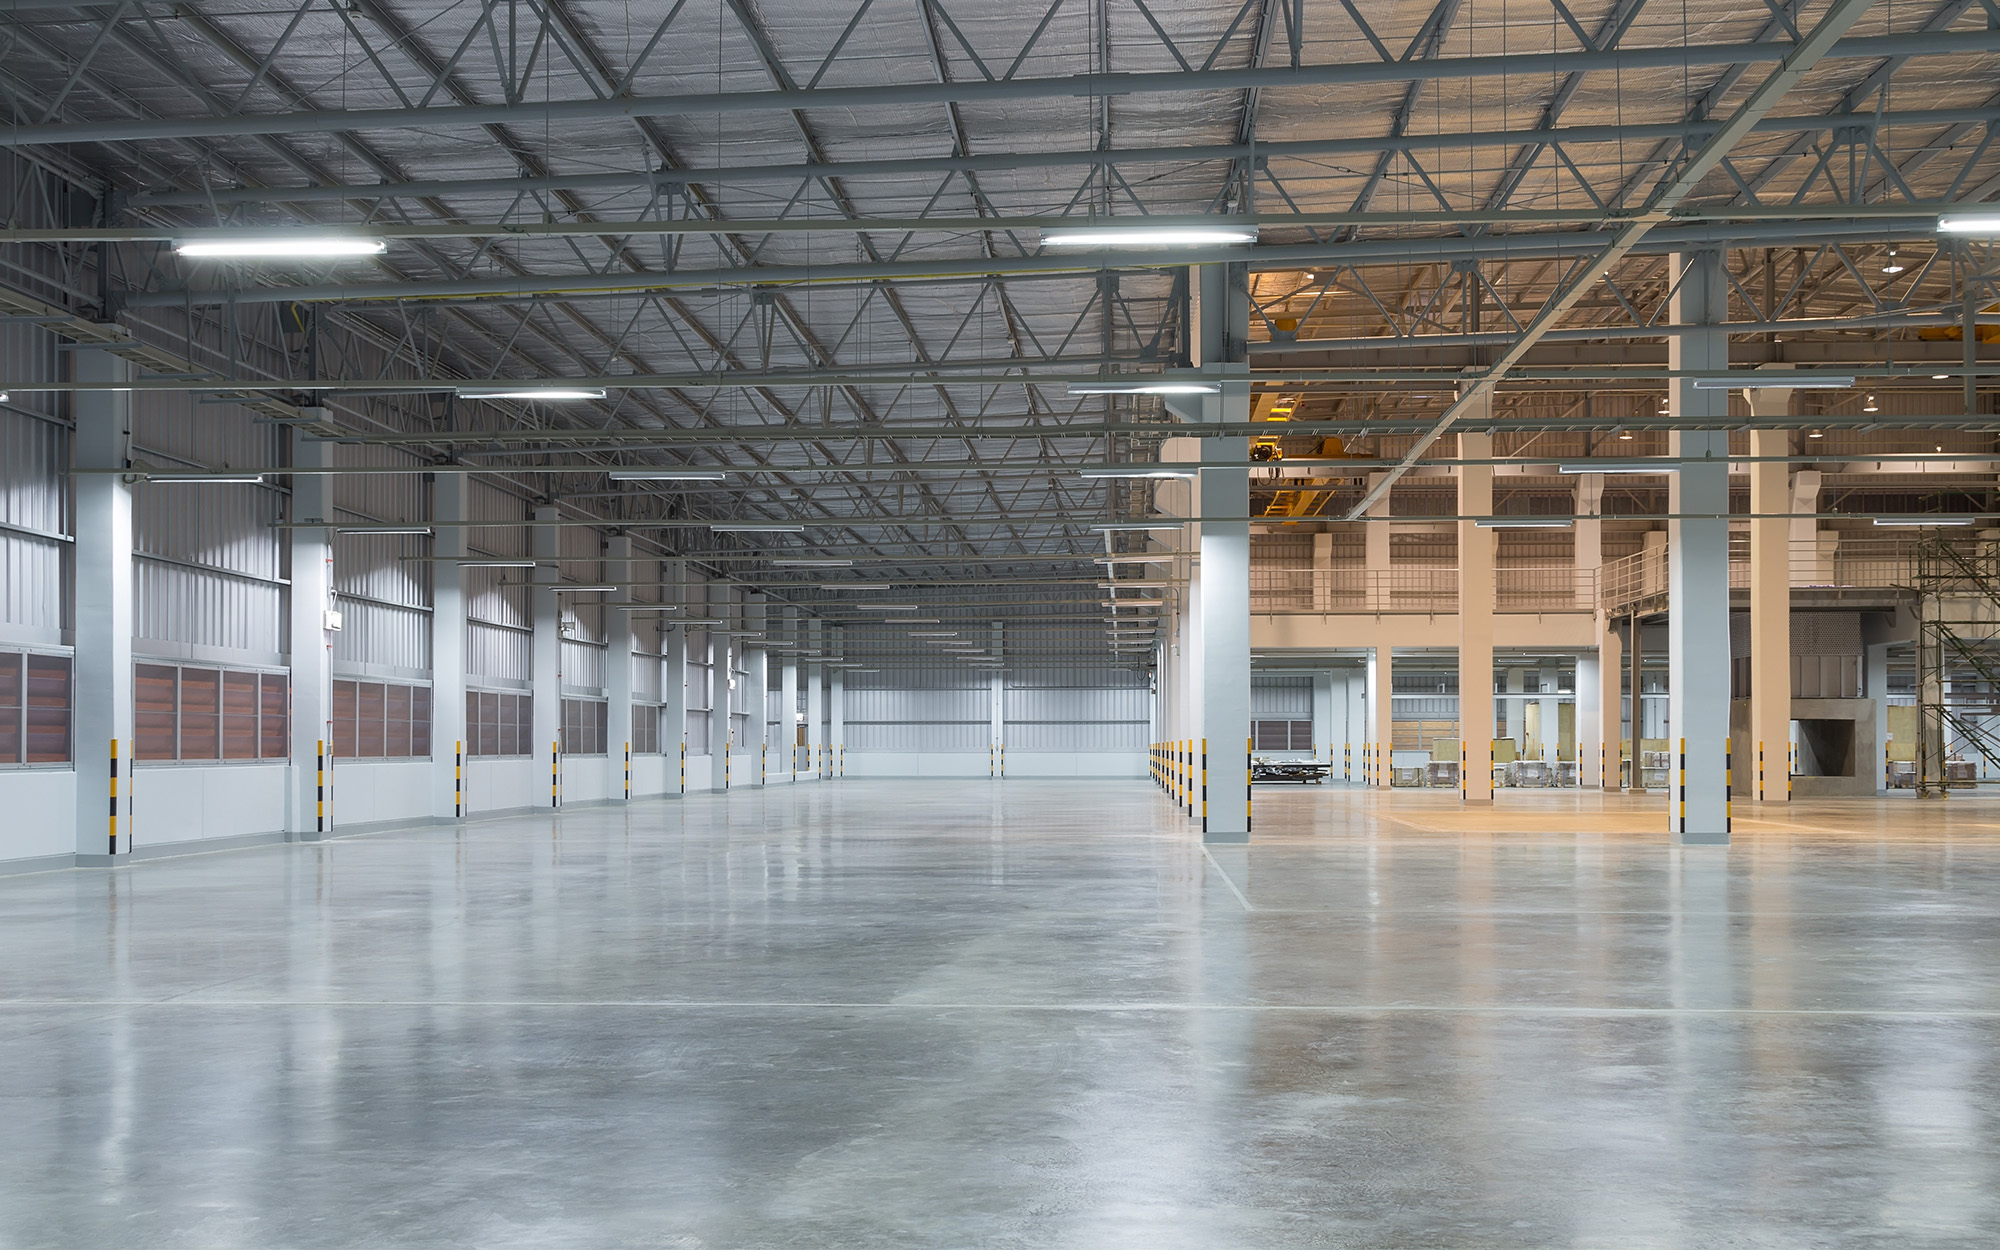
(1025, 1014)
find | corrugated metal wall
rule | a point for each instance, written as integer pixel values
(1081, 708)
(1280, 695)
(34, 498)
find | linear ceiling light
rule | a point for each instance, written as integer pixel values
(204, 479)
(854, 586)
(933, 633)
(1145, 386)
(646, 607)
(1525, 522)
(1155, 557)
(1134, 584)
(1134, 234)
(1969, 223)
(277, 247)
(885, 607)
(1774, 379)
(530, 391)
(1638, 464)
(810, 562)
(583, 590)
(756, 527)
(1133, 603)
(1096, 475)
(495, 564)
(665, 475)
(1130, 526)
(382, 529)
(1924, 520)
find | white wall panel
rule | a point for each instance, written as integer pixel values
(173, 603)
(375, 636)
(31, 584)
(498, 653)
(582, 665)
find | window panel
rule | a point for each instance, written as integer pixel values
(344, 699)
(485, 713)
(276, 717)
(524, 724)
(201, 714)
(239, 716)
(155, 700)
(600, 717)
(10, 707)
(48, 688)
(396, 712)
(509, 713)
(368, 726)
(420, 720)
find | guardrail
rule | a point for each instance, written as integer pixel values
(1415, 589)
(1829, 562)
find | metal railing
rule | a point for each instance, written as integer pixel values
(1415, 589)
(1828, 562)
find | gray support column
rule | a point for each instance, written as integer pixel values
(618, 568)
(1354, 726)
(720, 662)
(815, 702)
(311, 599)
(1589, 719)
(1382, 712)
(757, 699)
(1516, 710)
(1875, 687)
(1770, 608)
(103, 622)
(788, 701)
(1325, 737)
(1223, 330)
(1610, 700)
(1698, 563)
(1476, 586)
(1550, 714)
(546, 648)
(447, 643)
(836, 706)
(1635, 676)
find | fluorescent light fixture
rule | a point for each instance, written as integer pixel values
(1910, 521)
(1138, 526)
(665, 475)
(204, 479)
(1096, 475)
(756, 527)
(646, 607)
(1134, 584)
(280, 247)
(530, 391)
(495, 564)
(810, 562)
(568, 589)
(933, 633)
(1134, 557)
(1774, 379)
(885, 607)
(1969, 223)
(1139, 234)
(1132, 603)
(854, 586)
(1525, 522)
(1636, 464)
(1154, 385)
(382, 529)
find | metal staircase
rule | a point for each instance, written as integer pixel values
(1958, 661)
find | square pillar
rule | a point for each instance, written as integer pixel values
(448, 747)
(103, 622)
(310, 601)
(788, 702)
(545, 650)
(1589, 721)
(618, 568)
(1476, 587)
(1382, 709)
(1698, 563)
(815, 761)
(1610, 721)
(1325, 715)
(720, 663)
(1225, 641)
(673, 677)
(1770, 607)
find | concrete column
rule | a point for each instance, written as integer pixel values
(448, 493)
(1698, 562)
(1475, 615)
(311, 598)
(1609, 724)
(102, 662)
(673, 678)
(1225, 641)
(1550, 714)
(1875, 687)
(1589, 719)
(546, 646)
(1635, 676)
(1354, 725)
(1770, 605)
(1375, 553)
(618, 569)
(720, 662)
(1589, 555)
(787, 761)
(753, 694)
(836, 709)
(1516, 709)
(1382, 711)
(815, 761)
